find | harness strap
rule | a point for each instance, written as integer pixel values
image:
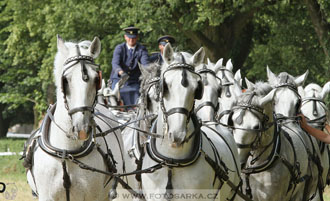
(80, 109)
(66, 180)
(223, 176)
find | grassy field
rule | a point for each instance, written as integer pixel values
(12, 173)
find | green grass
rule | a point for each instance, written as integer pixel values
(12, 173)
(13, 145)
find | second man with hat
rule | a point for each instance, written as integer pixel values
(162, 41)
(125, 61)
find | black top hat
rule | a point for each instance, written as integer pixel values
(166, 39)
(131, 31)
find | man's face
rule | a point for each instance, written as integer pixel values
(131, 41)
(161, 48)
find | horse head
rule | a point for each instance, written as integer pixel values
(149, 88)
(231, 86)
(249, 119)
(208, 105)
(286, 98)
(180, 85)
(77, 80)
(313, 105)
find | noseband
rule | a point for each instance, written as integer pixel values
(82, 60)
(253, 109)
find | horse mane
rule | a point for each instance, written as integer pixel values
(153, 70)
(178, 59)
(262, 88)
(60, 57)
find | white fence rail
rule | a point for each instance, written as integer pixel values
(17, 135)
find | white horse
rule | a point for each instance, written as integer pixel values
(230, 83)
(315, 109)
(185, 161)
(135, 134)
(287, 101)
(66, 141)
(269, 158)
(313, 105)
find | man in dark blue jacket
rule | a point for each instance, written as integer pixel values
(162, 41)
(125, 61)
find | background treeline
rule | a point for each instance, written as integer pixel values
(286, 35)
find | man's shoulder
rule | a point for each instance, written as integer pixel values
(121, 45)
(139, 46)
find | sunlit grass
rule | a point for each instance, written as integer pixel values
(12, 173)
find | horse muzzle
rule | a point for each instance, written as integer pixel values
(177, 139)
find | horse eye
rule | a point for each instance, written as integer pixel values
(256, 127)
(65, 84)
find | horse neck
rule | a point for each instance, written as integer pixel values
(206, 114)
(57, 137)
(164, 145)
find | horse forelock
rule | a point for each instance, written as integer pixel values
(311, 89)
(179, 57)
(245, 98)
(72, 51)
(262, 88)
(284, 77)
(153, 72)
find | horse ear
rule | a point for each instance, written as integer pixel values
(61, 46)
(271, 76)
(237, 88)
(266, 99)
(238, 76)
(95, 47)
(301, 91)
(198, 57)
(208, 61)
(299, 80)
(144, 72)
(325, 90)
(249, 84)
(218, 65)
(168, 54)
(229, 65)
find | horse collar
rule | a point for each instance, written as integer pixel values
(171, 162)
(45, 145)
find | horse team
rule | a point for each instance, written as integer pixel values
(195, 135)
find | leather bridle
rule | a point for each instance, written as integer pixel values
(181, 110)
(257, 111)
(318, 122)
(280, 117)
(225, 81)
(70, 63)
(202, 71)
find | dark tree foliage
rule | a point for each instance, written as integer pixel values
(290, 36)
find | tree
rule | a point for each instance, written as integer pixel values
(286, 35)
